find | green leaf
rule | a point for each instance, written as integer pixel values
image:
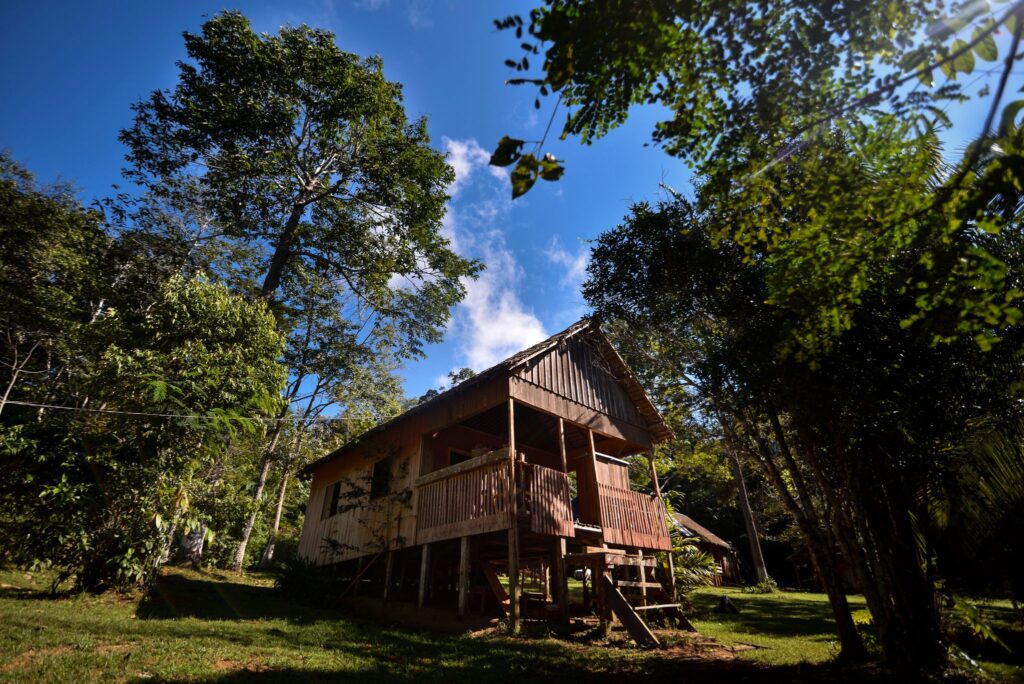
(551, 169)
(1008, 119)
(524, 175)
(986, 48)
(506, 152)
(965, 62)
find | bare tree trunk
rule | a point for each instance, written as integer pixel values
(748, 518)
(268, 550)
(282, 252)
(16, 369)
(268, 460)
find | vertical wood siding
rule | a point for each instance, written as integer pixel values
(576, 372)
(548, 501)
(631, 518)
(470, 502)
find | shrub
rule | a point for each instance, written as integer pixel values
(765, 586)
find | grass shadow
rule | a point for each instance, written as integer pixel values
(178, 595)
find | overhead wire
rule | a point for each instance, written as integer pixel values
(185, 416)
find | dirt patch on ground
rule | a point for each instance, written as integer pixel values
(229, 665)
(25, 659)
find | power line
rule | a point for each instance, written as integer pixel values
(168, 415)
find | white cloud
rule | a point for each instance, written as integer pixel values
(370, 5)
(575, 265)
(418, 17)
(467, 157)
(491, 322)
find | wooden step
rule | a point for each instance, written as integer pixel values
(638, 585)
(627, 615)
(660, 606)
(495, 584)
(610, 558)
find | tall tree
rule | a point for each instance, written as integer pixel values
(132, 388)
(848, 442)
(303, 153)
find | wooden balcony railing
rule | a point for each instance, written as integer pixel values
(631, 518)
(547, 500)
(472, 497)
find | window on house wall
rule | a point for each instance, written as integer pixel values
(380, 481)
(456, 456)
(331, 496)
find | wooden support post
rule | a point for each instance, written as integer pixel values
(561, 581)
(668, 554)
(603, 610)
(464, 577)
(513, 531)
(424, 575)
(589, 474)
(586, 591)
(389, 573)
(561, 445)
(643, 577)
(561, 576)
(513, 578)
(359, 574)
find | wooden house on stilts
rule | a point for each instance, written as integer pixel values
(517, 471)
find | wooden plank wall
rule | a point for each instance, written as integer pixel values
(474, 501)
(389, 522)
(548, 501)
(362, 526)
(575, 371)
(634, 519)
(611, 473)
(555, 405)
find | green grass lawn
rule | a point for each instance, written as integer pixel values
(788, 627)
(218, 627)
(783, 627)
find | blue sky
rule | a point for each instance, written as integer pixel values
(72, 70)
(70, 74)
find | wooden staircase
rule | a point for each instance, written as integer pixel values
(633, 599)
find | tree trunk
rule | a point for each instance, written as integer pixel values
(268, 550)
(825, 565)
(822, 556)
(748, 518)
(282, 252)
(907, 616)
(15, 372)
(251, 522)
(191, 548)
